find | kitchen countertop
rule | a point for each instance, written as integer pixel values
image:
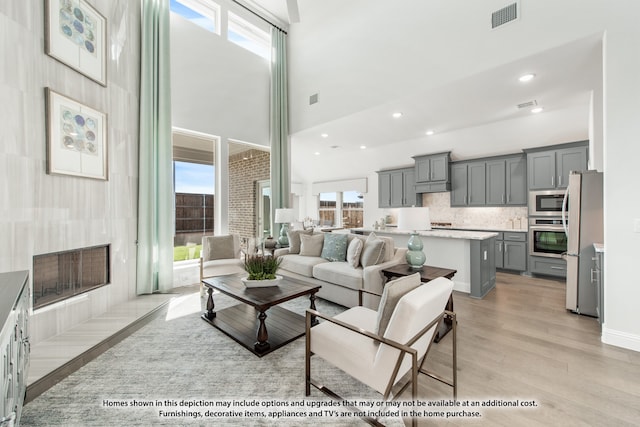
(481, 228)
(443, 233)
(599, 247)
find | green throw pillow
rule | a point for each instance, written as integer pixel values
(335, 247)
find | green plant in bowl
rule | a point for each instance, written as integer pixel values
(261, 267)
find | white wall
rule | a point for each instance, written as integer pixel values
(392, 51)
(41, 213)
(621, 178)
(217, 87)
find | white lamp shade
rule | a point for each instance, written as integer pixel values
(283, 216)
(413, 219)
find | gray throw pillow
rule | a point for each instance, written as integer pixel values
(393, 291)
(311, 245)
(294, 239)
(373, 251)
(334, 247)
(221, 247)
(353, 252)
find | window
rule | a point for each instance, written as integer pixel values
(352, 209)
(327, 210)
(203, 13)
(248, 36)
(341, 209)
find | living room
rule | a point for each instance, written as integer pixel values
(353, 68)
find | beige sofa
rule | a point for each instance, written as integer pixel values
(340, 281)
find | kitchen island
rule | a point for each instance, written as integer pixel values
(471, 253)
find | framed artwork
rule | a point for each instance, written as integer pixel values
(76, 138)
(76, 35)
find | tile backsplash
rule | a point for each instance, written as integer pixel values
(440, 209)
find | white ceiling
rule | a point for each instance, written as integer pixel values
(565, 78)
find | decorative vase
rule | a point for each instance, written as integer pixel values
(261, 283)
(415, 257)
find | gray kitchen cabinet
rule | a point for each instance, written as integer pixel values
(496, 182)
(570, 159)
(14, 344)
(432, 167)
(548, 266)
(499, 253)
(384, 189)
(515, 255)
(458, 193)
(483, 267)
(468, 184)
(511, 250)
(550, 169)
(516, 180)
(396, 188)
(597, 279)
(409, 189)
(476, 184)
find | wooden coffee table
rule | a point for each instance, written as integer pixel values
(247, 323)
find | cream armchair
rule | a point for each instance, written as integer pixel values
(382, 358)
(220, 256)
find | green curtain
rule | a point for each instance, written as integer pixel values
(279, 124)
(155, 186)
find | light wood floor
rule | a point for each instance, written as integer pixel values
(519, 342)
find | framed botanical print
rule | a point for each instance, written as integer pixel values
(76, 35)
(76, 138)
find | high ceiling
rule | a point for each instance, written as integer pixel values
(565, 79)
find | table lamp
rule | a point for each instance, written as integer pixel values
(413, 220)
(283, 216)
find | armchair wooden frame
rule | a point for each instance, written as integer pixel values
(416, 365)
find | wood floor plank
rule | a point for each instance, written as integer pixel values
(519, 342)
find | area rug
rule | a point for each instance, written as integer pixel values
(179, 370)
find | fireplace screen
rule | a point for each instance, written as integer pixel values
(61, 275)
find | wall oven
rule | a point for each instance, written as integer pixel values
(546, 203)
(547, 237)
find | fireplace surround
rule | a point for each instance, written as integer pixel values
(61, 275)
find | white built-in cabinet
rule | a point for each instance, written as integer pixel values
(14, 345)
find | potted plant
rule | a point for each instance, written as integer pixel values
(262, 271)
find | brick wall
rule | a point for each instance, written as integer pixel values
(245, 170)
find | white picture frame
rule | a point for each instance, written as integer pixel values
(76, 35)
(76, 138)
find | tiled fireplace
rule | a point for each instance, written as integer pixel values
(61, 275)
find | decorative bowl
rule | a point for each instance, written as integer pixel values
(261, 283)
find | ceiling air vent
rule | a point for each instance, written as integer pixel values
(528, 104)
(504, 15)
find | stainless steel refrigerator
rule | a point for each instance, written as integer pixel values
(583, 221)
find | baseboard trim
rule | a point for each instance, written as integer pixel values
(620, 339)
(54, 377)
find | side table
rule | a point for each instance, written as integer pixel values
(427, 273)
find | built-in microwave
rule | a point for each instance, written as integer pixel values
(546, 203)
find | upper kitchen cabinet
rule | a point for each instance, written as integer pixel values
(468, 186)
(396, 188)
(550, 169)
(507, 181)
(496, 181)
(432, 172)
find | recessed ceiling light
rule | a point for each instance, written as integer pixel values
(526, 77)
(317, 153)
(537, 110)
(325, 135)
(362, 147)
(430, 132)
(397, 115)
